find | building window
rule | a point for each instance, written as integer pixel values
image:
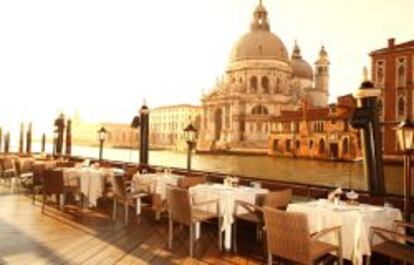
(260, 110)
(276, 145)
(297, 144)
(380, 106)
(401, 72)
(380, 73)
(321, 146)
(288, 145)
(310, 144)
(401, 107)
(253, 84)
(265, 84)
(345, 146)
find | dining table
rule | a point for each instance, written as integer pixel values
(156, 185)
(355, 221)
(226, 195)
(92, 180)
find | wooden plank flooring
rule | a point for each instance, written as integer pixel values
(89, 237)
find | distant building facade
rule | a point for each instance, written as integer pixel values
(167, 125)
(118, 135)
(393, 72)
(317, 132)
(261, 81)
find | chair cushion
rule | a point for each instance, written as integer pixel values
(200, 215)
(318, 249)
(395, 250)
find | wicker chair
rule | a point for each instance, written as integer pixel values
(123, 194)
(187, 182)
(9, 171)
(53, 183)
(37, 180)
(392, 244)
(253, 213)
(288, 237)
(181, 210)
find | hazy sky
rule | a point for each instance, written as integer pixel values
(104, 56)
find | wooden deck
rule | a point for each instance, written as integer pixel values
(89, 237)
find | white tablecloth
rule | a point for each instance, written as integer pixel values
(355, 221)
(91, 180)
(227, 196)
(158, 182)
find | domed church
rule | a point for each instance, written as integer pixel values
(261, 80)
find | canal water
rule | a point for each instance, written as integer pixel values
(338, 174)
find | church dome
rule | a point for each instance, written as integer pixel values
(260, 42)
(300, 67)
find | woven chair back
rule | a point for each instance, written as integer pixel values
(278, 199)
(38, 172)
(287, 235)
(8, 163)
(118, 186)
(53, 182)
(179, 207)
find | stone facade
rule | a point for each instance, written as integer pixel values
(321, 133)
(118, 135)
(261, 81)
(167, 125)
(393, 72)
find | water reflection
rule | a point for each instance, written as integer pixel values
(264, 167)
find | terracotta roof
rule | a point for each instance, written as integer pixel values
(343, 110)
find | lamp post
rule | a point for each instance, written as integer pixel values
(405, 136)
(102, 137)
(55, 141)
(190, 136)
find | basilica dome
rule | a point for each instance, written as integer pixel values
(260, 42)
(300, 67)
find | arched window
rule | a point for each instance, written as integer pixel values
(321, 146)
(310, 144)
(297, 144)
(401, 107)
(288, 145)
(265, 84)
(401, 74)
(260, 110)
(345, 146)
(253, 84)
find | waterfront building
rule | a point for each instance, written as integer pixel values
(317, 132)
(261, 81)
(167, 125)
(393, 72)
(118, 134)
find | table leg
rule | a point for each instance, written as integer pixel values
(61, 200)
(138, 210)
(227, 237)
(197, 230)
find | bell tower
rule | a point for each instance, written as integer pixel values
(322, 76)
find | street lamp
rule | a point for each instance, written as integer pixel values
(405, 136)
(190, 136)
(102, 137)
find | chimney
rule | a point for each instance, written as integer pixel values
(391, 43)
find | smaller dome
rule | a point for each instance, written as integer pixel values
(300, 67)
